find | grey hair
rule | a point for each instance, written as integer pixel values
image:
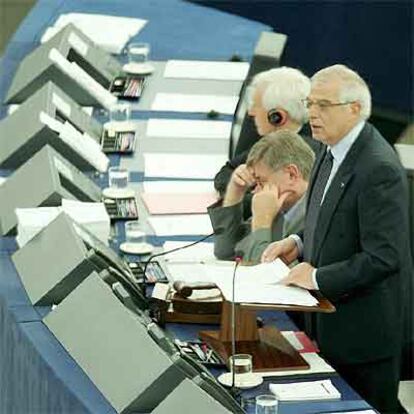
(281, 148)
(353, 87)
(284, 88)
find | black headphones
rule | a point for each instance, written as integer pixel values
(275, 117)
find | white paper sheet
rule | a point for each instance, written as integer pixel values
(118, 29)
(199, 253)
(194, 103)
(183, 165)
(253, 284)
(198, 69)
(306, 391)
(178, 187)
(176, 225)
(183, 128)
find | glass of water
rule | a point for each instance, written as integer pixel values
(241, 364)
(266, 404)
(118, 178)
(138, 52)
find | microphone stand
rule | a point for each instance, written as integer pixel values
(238, 260)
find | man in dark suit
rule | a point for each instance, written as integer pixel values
(355, 246)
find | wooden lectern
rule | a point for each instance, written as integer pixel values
(269, 349)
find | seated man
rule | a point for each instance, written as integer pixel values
(276, 102)
(278, 167)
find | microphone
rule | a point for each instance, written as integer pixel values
(238, 259)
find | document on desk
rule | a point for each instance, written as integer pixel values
(184, 128)
(178, 187)
(306, 391)
(118, 29)
(178, 203)
(177, 102)
(182, 165)
(200, 253)
(199, 69)
(181, 225)
(253, 284)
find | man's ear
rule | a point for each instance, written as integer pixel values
(293, 171)
(356, 107)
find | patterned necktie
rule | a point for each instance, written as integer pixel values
(315, 204)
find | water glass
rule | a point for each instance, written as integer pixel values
(266, 404)
(241, 364)
(134, 233)
(138, 52)
(118, 177)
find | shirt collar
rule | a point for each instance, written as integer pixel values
(341, 148)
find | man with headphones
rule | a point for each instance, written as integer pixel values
(275, 102)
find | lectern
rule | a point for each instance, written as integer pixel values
(269, 349)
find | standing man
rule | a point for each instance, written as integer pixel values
(355, 247)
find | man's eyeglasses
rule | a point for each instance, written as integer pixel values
(323, 104)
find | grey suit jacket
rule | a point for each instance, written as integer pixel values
(234, 235)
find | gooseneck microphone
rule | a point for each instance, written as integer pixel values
(238, 259)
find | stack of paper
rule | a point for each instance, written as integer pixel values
(182, 165)
(305, 391)
(30, 221)
(74, 71)
(83, 144)
(253, 284)
(185, 128)
(177, 102)
(199, 253)
(178, 203)
(198, 69)
(109, 32)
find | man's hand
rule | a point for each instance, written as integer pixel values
(300, 275)
(240, 181)
(266, 204)
(285, 249)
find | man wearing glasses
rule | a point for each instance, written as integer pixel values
(355, 246)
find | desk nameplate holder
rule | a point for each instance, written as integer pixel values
(121, 208)
(118, 142)
(269, 349)
(128, 87)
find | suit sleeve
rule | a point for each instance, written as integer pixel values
(230, 228)
(382, 225)
(222, 178)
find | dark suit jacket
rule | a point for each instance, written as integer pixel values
(361, 250)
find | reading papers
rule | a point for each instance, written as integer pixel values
(253, 284)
